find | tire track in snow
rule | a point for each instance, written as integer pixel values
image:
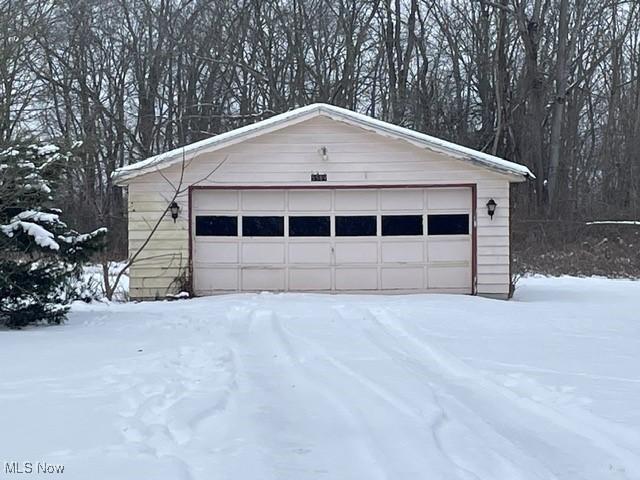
(269, 434)
(237, 448)
(593, 430)
(491, 464)
(364, 447)
(445, 467)
(291, 414)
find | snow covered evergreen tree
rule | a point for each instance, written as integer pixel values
(40, 256)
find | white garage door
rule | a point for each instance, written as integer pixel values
(342, 240)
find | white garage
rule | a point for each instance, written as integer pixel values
(320, 199)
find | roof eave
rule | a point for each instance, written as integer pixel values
(122, 176)
(396, 133)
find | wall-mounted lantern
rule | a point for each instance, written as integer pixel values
(324, 154)
(491, 207)
(174, 208)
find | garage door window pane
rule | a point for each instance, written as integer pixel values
(309, 227)
(263, 226)
(448, 224)
(356, 226)
(216, 226)
(401, 225)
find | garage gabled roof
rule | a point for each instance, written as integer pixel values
(123, 175)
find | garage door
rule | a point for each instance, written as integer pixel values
(333, 240)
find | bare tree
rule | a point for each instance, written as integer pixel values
(552, 84)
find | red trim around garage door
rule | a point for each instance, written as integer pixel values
(474, 204)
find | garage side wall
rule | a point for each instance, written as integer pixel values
(287, 158)
(165, 258)
(493, 240)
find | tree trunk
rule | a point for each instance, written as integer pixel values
(558, 105)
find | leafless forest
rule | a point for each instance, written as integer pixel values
(553, 84)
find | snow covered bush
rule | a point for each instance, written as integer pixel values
(94, 279)
(41, 258)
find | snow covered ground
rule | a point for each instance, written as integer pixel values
(339, 387)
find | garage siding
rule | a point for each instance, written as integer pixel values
(287, 158)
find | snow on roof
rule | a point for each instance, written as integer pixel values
(614, 222)
(172, 157)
